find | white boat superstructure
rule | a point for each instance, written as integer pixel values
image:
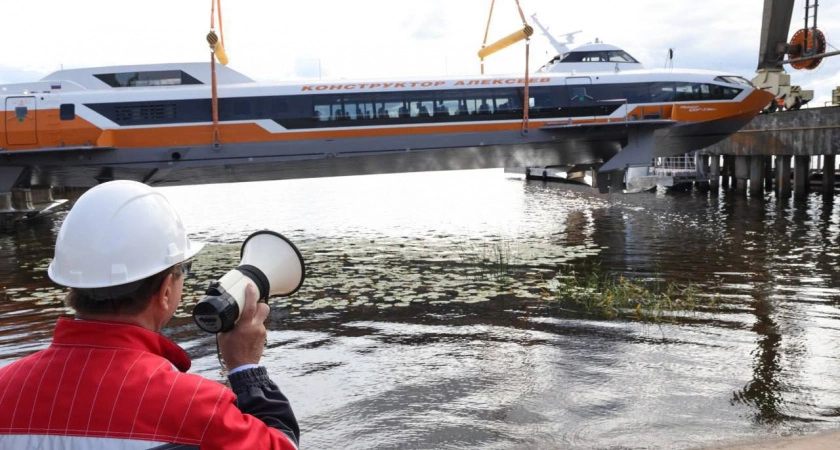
(597, 57)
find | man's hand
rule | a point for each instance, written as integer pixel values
(244, 344)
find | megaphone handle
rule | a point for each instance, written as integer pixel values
(235, 284)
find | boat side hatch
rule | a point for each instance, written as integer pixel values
(20, 121)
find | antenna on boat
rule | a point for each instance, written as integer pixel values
(669, 60)
(560, 47)
(217, 51)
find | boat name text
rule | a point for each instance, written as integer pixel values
(421, 84)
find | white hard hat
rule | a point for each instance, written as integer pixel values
(116, 233)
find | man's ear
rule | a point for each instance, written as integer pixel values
(162, 294)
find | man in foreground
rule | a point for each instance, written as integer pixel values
(108, 379)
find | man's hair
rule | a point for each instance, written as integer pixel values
(97, 301)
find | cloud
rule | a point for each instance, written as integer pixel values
(10, 75)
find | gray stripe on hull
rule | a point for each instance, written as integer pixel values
(349, 156)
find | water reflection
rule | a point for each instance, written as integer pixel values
(426, 314)
(764, 391)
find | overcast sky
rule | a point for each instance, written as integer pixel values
(334, 39)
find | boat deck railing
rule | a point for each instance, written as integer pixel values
(683, 166)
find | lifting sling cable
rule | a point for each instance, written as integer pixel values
(212, 39)
(526, 100)
(486, 32)
(526, 32)
(221, 29)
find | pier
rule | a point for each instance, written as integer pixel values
(788, 152)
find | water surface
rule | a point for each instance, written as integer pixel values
(426, 318)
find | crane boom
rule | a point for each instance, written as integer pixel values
(774, 33)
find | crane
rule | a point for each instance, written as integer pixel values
(805, 50)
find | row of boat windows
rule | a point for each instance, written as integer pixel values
(506, 101)
(354, 108)
(313, 111)
(147, 78)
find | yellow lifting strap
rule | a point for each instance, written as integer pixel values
(487, 50)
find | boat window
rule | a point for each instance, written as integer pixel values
(596, 57)
(734, 80)
(579, 94)
(599, 56)
(352, 111)
(150, 78)
(703, 91)
(279, 106)
(21, 113)
(146, 113)
(388, 106)
(662, 92)
(67, 111)
(621, 56)
(242, 107)
(635, 93)
(447, 107)
(422, 108)
(321, 113)
(686, 91)
(730, 92)
(574, 57)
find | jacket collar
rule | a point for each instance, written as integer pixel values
(119, 335)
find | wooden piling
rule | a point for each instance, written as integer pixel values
(801, 169)
(742, 173)
(756, 175)
(769, 173)
(726, 173)
(714, 181)
(828, 175)
(783, 176)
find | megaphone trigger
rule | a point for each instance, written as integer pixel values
(270, 261)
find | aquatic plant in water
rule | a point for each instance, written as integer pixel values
(592, 291)
(492, 259)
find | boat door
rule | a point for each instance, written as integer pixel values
(20, 122)
(581, 103)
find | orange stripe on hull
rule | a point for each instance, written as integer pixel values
(706, 112)
(250, 133)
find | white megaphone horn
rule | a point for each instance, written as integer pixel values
(270, 261)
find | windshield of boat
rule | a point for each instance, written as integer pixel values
(731, 79)
(619, 56)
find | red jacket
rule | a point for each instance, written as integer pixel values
(109, 385)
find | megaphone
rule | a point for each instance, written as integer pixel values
(270, 261)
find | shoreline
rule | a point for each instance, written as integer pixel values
(821, 441)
